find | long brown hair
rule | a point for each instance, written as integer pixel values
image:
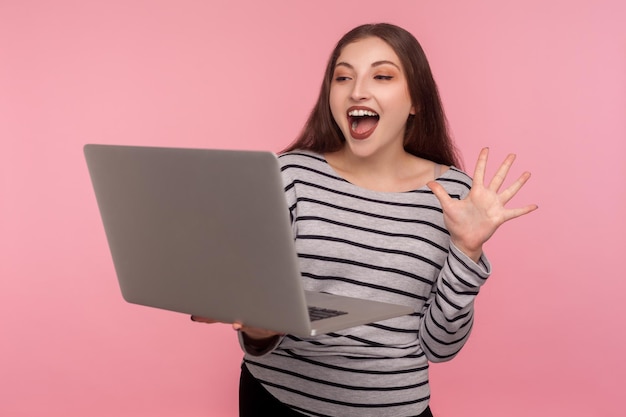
(426, 133)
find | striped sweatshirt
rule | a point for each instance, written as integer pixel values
(390, 247)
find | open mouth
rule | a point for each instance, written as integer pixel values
(362, 122)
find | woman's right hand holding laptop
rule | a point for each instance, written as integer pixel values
(254, 337)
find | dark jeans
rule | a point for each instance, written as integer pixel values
(255, 401)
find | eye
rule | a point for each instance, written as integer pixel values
(340, 78)
(383, 77)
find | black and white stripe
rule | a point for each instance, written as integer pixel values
(386, 246)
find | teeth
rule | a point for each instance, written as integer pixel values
(354, 125)
(361, 113)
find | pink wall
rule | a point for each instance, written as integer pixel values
(545, 79)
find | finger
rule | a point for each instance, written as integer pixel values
(503, 171)
(439, 192)
(239, 326)
(481, 166)
(202, 319)
(514, 213)
(512, 189)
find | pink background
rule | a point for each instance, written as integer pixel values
(544, 79)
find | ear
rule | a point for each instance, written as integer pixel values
(412, 111)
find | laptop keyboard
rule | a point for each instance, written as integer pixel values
(319, 313)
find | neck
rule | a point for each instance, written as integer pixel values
(393, 171)
(388, 164)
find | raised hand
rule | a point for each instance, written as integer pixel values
(473, 220)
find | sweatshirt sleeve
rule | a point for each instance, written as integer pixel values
(449, 313)
(254, 351)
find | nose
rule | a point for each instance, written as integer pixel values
(360, 90)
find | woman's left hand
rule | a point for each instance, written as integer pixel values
(473, 220)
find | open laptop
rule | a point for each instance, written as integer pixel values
(207, 232)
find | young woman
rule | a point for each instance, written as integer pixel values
(379, 210)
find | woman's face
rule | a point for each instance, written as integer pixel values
(369, 97)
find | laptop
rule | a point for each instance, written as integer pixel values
(207, 232)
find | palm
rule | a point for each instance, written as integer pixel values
(473, 220)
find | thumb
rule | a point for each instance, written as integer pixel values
(439, 192)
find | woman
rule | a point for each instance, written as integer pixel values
(379, 210)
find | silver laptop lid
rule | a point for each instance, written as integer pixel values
(177, 228)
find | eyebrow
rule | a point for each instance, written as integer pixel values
(374, 64)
